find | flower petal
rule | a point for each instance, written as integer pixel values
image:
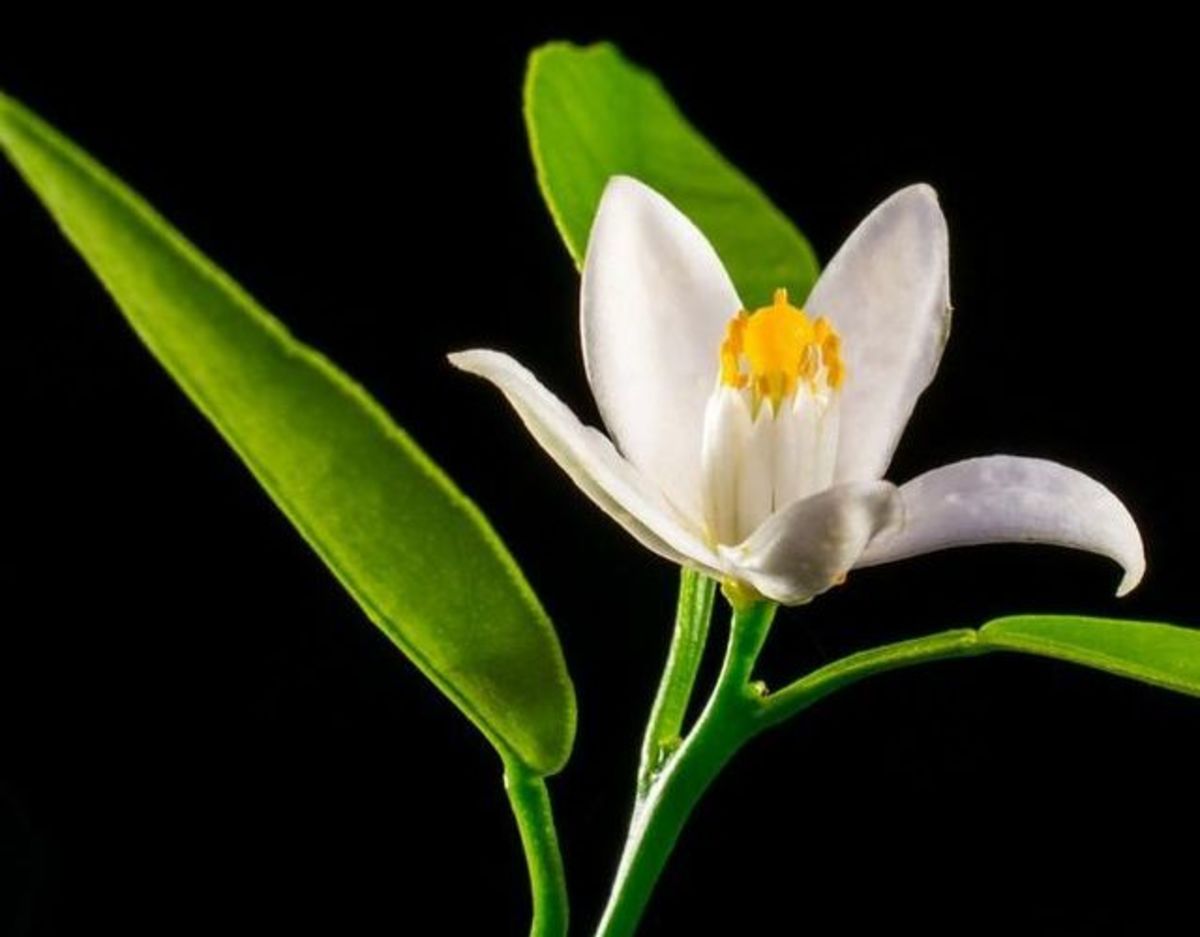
(887, 292)
(801, 551)
(589, 458)
(727, 427)
(655, 301)
(999, 499)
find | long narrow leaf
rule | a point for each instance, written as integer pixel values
(414, 552)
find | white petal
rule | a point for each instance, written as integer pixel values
(588, 457)
(795, 450)
(887, 292)
(828, 433)
(655, 302)
(805, 446)
(756, 475)
(999, 499)
(727, 427)
(802, 551)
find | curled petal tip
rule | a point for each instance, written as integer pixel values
(1133, 576)
(460, 359)
(1008, 499)
(474, 360)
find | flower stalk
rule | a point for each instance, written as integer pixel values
(662, 806)
(675, 773)
(692, 616)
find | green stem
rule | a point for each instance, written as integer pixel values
(729, 719)
(531, 806)
(692, 616)
(798, 696)
(736, 712)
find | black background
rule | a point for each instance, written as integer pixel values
(200, 733)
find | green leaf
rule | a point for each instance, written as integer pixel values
(591, 114)
(414, 552)
(1165, 655)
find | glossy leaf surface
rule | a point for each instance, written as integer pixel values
(415, 553)
(591, 114)
(1165, 655)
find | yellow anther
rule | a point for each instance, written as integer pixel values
(776, 347)
(831, 352)
(731, 351)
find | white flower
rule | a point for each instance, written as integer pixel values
(753, 446)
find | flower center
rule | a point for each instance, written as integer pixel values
(776, 348)
(757, 460)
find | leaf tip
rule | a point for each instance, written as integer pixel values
(17, 123)
(561, 46)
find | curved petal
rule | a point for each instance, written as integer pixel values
(588, 457)
(887, 292)
(655, 301)
(801, 551)
(1000, 499)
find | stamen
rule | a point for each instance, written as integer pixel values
(772, 350)
(731, 351)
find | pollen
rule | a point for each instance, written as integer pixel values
(777, 348)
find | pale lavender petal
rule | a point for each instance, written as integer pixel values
(1002, 499)
(801, 551)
